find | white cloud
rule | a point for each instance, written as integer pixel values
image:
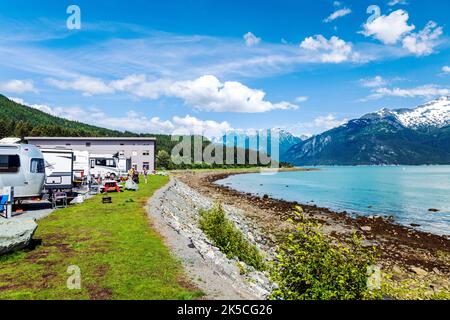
(127, 82)
(426, 91)
(251, 40)
(328, 122)
(301, 99)
(192, 125)
(396, 2)
(87, 85)
(334, 50)
(316, 125)
(206, 93)
(337, 14)
(446, 69)
(423, 43)
(136, 122)
(18, 86)
(389, 29)
(374, 82)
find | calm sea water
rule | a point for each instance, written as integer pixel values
(403, 192)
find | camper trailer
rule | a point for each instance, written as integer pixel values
(22, 167)
(80, 165)
(58, 169)
(104, 165)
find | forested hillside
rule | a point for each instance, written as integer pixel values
(22, 121)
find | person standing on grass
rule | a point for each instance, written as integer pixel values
(145, 174)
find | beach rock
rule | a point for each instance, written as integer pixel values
(16, 234)
(266, 196)
(366, 228)
(419, 271)
(436, 270)
(397, 270)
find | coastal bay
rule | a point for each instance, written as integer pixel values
(415, 262)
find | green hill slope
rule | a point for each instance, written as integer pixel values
(20, 120)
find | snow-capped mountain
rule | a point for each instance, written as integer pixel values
(403, 136)
(434, 114)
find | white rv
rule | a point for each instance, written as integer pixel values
(104, 165)
(80, 165)
(22, 167)
(58, 168)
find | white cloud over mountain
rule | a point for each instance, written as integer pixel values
(87, 85)
(374, 82)
(395, 28)
(423, 42)
(251, 40)
(18, 86)
(337, 14)
(206, 93)
(136, 122)
(389, 29)
(334, 50)
(425, 91)
(396, 2)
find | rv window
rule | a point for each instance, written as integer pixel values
(37, 166)
(105, 162)
(9, 163)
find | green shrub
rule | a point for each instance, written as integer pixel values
(310, 267)
(228, 238)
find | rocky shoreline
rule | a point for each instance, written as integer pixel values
(174, 211)
(416, 261)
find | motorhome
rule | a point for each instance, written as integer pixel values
(104, 165)
(58, 169)
(22, 166)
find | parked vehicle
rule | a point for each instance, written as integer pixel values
(80, 165)
(58, 169)
(22, 166)
(104, 166)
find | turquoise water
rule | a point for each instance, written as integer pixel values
(403, 192)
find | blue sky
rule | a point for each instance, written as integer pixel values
(209, 66)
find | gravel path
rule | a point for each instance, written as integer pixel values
(173, 211)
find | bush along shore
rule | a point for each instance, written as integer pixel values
(412, 264)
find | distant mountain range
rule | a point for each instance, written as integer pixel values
(388, 137)
(242, 139)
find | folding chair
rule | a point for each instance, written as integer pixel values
(59, 197)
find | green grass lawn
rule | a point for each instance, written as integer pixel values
(119, 254)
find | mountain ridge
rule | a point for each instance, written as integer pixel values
(415, 136)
